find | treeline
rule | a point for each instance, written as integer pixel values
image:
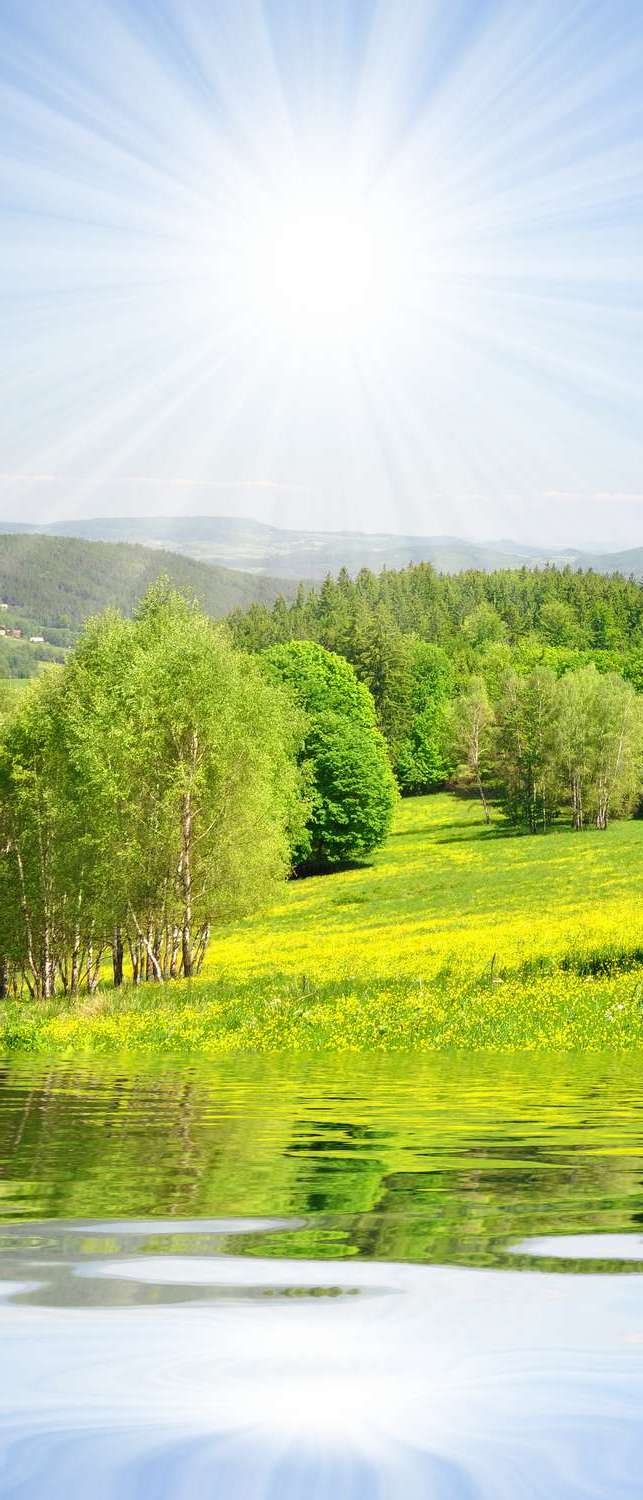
(161, 782)
(416, 639)
(546, 745)
(578, 611)
(164, 779)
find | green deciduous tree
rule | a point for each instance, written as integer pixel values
(557, 624)
(483, 626)
(421, 760)
(204, 749)
(570, 742)
(471, 724)
(146, 791)
(599, 736)
(525, 748)
(350, 782)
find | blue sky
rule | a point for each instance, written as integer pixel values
(373, 265)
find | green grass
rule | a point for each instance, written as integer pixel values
(454, 937)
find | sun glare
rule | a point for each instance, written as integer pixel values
(321, 266)
(324, 272)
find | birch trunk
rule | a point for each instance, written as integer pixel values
(186, 870)
(134, 959)
(577, 802)
(47, 972)
(186, 880)
(76, 949)
(485, 805)
(117, 957)
(149, 951)
(24, 907)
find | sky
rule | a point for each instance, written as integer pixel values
(333, 264)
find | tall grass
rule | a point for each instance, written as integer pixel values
(454, 937)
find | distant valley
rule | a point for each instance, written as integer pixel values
(256, 548)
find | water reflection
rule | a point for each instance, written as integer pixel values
(427, 1159)
(133, 1368)
(316, 1278)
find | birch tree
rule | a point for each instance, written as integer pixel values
(40, 841)
(147, 791)
(472, 719)
(190, 764)
(600, 744)
(525, 748)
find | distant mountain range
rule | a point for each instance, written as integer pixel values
(256, 548)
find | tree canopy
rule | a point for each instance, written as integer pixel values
(348, 774)
(416, 639)
(147, 790)
(547, 745)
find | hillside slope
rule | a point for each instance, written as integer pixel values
(453, 936)
(54, 584)
(243, 543)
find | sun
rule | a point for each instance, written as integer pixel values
(323, 272)
(321, 268)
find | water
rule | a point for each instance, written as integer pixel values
(297, 1279)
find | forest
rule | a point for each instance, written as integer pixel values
(525, 683)
(52, 585)
(162, 782)
(175, 772)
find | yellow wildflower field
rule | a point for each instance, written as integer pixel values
(446, 892)
(455, 936)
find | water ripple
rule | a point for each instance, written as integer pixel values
(284, 1379)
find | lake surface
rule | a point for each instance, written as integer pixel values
(305, 1278)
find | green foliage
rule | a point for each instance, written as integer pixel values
(471, 729)
(321, 681)
(380, 654)
(43, 838)
(53, 585)
(557, 623)
(353, 791)
(483, 626)
(421, 759)
(147, 791)
(454, 937)
(598, 613)
(10, 691)
(351, 786)
(487, 625)
(526, 761)
(600, 744)
(573, 742)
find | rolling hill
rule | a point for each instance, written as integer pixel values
(54, 584)
(261, 549)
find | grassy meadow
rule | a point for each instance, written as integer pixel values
(453, 936)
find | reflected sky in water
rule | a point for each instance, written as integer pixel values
(170, 1346)
(133, 1372)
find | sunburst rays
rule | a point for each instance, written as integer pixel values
(490, 155)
